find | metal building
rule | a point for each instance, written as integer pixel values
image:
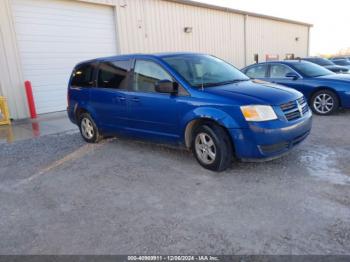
(41, 40)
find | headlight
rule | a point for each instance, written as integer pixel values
(258, 113)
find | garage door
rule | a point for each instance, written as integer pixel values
(53, 36)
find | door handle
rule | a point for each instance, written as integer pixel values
(135, 99)
(117, 99)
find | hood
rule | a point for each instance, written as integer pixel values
(346, 66)
(339, 77)
(256, 92)
(337, 69)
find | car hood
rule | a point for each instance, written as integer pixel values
(256, 92)
(337, 77)
(346, 66)
(336, 68)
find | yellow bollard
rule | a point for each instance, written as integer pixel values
(4, 112)
(6, 133)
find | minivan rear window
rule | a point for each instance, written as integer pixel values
(113, 74)
(82, 76)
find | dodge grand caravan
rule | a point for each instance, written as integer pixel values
(194, 100)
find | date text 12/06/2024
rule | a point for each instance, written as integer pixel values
(173, 258)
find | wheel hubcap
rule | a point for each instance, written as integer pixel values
(323, 103)
(205, 148)
(87, 128)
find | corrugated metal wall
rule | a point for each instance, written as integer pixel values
(157, 26)
(266, 36)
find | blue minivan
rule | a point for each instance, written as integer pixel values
(194, 100)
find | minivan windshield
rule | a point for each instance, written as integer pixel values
(205, 70)
(311, 70)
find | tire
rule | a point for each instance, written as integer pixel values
(324, 102)
(88, 129)
(212, 147)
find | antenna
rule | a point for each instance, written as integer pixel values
(202, 82)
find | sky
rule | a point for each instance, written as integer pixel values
(331, 18)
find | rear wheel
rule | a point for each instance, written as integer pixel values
(88, 129)
(324, 102)
(212, 147)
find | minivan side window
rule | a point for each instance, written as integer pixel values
(258, 71)
(82, 76)
(147, 74)
(113, 74)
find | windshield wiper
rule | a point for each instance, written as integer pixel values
(240, 80)
(221, 83)
(320, 75)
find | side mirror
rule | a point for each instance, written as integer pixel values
(292, 75)
(166, 86)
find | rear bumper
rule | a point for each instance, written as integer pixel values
(71, 114)
(269, 140)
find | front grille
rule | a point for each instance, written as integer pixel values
(291, 109)
(293, 115)
(288, 106)
(305, 109)
(301, 100)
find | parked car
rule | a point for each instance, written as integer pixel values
(194, 100)
(340, 57)
(342, 62)
(327, 64)
(324, 90)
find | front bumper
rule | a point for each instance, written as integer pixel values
(345, 99)
(268, 140)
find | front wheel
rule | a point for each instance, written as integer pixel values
(212, 147)
(88, 129)
(324, 102)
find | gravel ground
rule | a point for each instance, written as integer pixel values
(59, 195)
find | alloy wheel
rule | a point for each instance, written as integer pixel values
(87, 128)
(205, 148)
(323, 103)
